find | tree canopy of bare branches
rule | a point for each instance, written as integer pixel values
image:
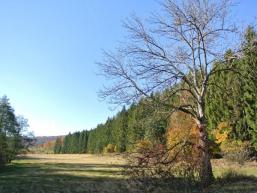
(174, 50)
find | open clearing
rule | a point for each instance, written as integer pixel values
(62, 173)
(39, 173)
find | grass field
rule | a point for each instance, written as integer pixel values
(39, 173)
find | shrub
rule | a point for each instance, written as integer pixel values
(233, 150)
(236, 150)
(143, 145)
(110, 148)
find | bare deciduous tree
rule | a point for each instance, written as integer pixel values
(176, 50)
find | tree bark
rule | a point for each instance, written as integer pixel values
(206, 175)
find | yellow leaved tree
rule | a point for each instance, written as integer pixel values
(183, 141)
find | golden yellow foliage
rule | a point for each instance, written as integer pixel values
(221, 133)
(183, 137)
(234, 150)
(110, 148)
(142, 145)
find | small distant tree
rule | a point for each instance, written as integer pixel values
(177, 51)
(58, 146)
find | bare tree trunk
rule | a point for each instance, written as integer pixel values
(206, 174)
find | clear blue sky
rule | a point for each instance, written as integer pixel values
(48, 50)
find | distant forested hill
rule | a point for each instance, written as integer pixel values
(44, 139)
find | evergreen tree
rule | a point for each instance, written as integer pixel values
(122, 125)
(250, 83)
(232, 96)
(58, 146)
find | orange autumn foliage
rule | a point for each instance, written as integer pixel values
(183, 137)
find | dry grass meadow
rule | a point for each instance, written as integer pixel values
(41, 173)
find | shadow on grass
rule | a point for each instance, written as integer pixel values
(79, 165)
(24, 157)
(103, 178)
(60, 177)
(232, 182)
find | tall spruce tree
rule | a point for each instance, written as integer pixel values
(250, 83)
(232, 98)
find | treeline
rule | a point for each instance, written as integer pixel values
(12, 132)
(120, 132)
(72, 143)
(233, 97)
(231, 109)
